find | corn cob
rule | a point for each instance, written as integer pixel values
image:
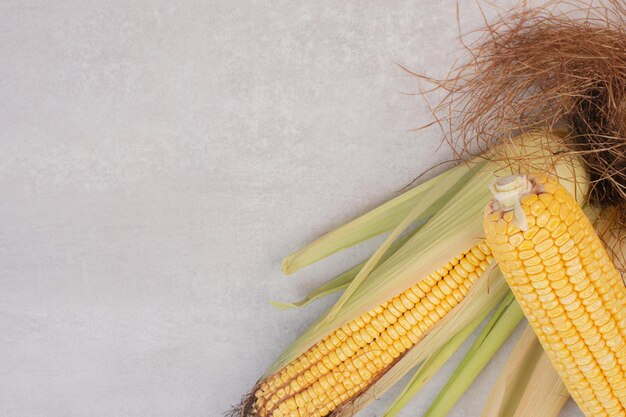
(346, 362)
(567, 286)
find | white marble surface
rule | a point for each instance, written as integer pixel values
(158, 159)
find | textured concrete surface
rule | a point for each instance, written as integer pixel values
(158, 159)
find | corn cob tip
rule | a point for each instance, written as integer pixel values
(508, 192)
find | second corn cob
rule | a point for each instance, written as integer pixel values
(346, 362)
(567, 286)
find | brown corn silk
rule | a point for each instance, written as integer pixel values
(562, 65)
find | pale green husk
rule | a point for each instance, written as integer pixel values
(381, 219)
(432, 245)
(427, 369)
(498, 329)
(528, 386)
(340, 282)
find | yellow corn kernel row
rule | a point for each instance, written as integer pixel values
(569, 290)
(349, 360)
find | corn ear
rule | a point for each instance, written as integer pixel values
(340, 282)
(337, 368)
(568, 287)
(528, 386)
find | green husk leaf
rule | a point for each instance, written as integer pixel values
(382, 219)
(498, 329)
(432, 364)
(528, 386)
(340, 282)
(417, 215)
(336, 284)
(452, 185)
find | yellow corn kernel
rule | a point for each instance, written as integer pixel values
(573, 304)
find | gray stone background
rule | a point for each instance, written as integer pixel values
(158, 159)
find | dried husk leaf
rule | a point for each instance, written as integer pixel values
(431, 366)
(380, 220)
(494, 334)
(528, 386)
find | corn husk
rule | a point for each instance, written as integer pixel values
(494, 334)
(431, 245)
(340, 282)
(528, 386)
(380, 220)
